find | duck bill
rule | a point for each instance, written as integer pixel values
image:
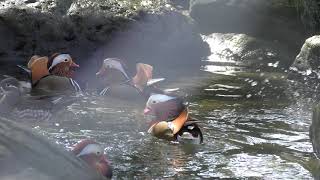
(147, 111)
(74, 65)
(101, 72)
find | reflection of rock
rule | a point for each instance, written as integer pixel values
(307, 62)
(247, 51)
(25, 155)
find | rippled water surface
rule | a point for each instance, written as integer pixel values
(250, 130)
(254, 125)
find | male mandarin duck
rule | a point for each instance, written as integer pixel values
(30, 156)
(53, 74)
(116, 81)
(171, 119)
(93, 154)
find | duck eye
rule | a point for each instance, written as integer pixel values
(98, 152)
(153, 101)
(7, 85)
(66, 60)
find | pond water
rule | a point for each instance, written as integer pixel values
(253, 128)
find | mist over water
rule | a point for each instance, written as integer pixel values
(254, 125)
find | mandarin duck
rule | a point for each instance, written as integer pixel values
(93, 154)
(15, 104)
(115, 80)
(53, 74)
(171, 120)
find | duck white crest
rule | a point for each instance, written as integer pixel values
(91, 149)
(113, 63)
(158, 98)
(59, 59)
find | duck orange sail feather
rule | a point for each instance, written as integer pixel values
(180, 121)
(144, 74)
(38, 68)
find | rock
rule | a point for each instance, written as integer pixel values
(314, 131)
(25, 155)
(148, 31)
(248, 51)
(308, 60)
(305, 72)
(274, 20)
(169, 37)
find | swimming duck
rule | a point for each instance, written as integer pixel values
(92, 153)
(53, 74)
(171, 120)
(9, 94)
(29, 156)
(15, 104)
(116, 81)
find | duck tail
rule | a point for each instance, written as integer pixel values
(190, 133)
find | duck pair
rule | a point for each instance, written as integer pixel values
(55, 74)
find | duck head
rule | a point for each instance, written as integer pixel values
(169, 115)
(112, 71)
(61, 65)
(164, 107)
(93, 154)
(10, 93)
(10, 84)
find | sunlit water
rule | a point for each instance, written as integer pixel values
(244, 136)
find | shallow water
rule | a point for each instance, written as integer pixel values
(264, 135)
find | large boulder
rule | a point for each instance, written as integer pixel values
(305, 70)
(308, 60)
(163, 38)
